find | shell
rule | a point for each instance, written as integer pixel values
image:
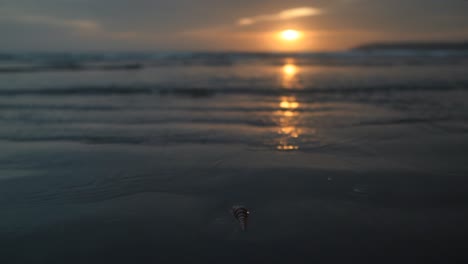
(242, 215)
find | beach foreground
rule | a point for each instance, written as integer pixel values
(340, 158)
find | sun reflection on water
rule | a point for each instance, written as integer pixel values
(288, 113)
(289, 77)
(288, 121)
(288, 104)
(291, 133)
(289, 70)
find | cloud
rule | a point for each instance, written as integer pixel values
(283, 15)
(80, 25)
(84, 27)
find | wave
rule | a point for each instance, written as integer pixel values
(92, 90)
(202, 109)
(407, 121)
(43, 62)
(69, 67)
(145, 122)
(211, 91)
(132, 140)
(58, 107)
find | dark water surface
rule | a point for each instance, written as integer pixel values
(137, 158)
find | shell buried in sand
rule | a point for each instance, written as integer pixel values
(241, 214)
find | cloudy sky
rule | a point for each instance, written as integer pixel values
(209, 25)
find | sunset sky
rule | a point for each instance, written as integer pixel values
(218, 25)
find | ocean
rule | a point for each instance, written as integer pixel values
(355, 156)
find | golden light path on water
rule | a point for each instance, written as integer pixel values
(289, 78)
(288, 123)
(288, 114)
(289, 70)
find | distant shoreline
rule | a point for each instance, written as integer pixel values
(413, 46)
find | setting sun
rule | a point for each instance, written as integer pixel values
(290, 34)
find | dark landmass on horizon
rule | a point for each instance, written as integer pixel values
(414, 46)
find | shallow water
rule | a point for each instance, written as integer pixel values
(139, 157)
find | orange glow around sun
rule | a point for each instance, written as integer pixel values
(290, 34)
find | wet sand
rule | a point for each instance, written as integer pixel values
(336, 164)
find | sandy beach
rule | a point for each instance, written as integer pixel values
(139, 159)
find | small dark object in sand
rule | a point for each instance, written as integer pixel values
(241, 214)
